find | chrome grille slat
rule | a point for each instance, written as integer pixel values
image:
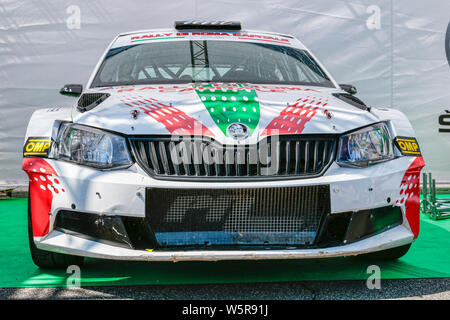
(189, 159)
(297, 157)
(152, 153)
(163, 155)
(247, 159)
(238, 161)
(175, 165)
(289, 156)
(143, 153)
(277, 163)
(206, 165)
(197, 158)
(325, 151)
(306, 157)
(316, 151)
(217, 160)
(227, 161)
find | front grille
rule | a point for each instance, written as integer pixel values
(237, 216)
(195, 157)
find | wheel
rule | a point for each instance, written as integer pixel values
(386, 255)
(47, 259)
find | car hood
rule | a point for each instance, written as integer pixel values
(209, 109)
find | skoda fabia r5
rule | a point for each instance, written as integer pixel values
(209, 142)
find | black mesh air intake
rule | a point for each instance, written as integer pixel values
(351, 99)
(237, 216)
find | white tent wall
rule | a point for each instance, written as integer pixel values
(393, 51)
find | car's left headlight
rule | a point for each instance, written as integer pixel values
(366, 146)
(91, 147)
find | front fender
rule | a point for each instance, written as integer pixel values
(400, 124)
(45, 122)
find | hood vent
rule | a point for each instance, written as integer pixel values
(350, 99)
(89, 101)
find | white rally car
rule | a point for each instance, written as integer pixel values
(209, 142)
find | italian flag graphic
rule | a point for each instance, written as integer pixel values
(230, 103)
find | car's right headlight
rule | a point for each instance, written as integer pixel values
(91, 147)
(366, 146)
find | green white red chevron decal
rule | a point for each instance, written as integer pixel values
(230, 103)
(293, 118)
(175, 120)
(410, 194)
(44, 185)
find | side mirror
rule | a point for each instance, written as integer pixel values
(349, 88)
(73, 90)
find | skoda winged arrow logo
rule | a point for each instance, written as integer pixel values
(238, 131)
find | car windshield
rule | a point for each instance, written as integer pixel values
(209, 61)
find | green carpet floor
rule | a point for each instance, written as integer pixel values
(429, 257)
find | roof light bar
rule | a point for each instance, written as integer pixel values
(197, 24)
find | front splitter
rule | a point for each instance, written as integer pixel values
(61, 242)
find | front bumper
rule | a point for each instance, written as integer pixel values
(69, 244)
(122, 193)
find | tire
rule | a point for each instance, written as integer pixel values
(386, 255)
(48, 259)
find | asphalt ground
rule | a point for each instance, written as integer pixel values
(416, 289)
